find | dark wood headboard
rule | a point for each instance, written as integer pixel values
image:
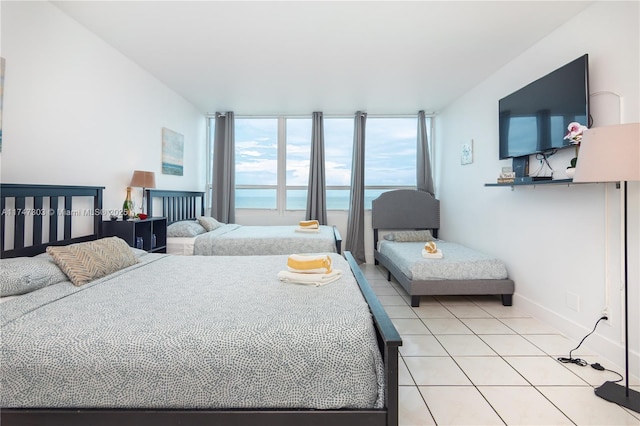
(176, 205)
(20, 221)
(405, 209)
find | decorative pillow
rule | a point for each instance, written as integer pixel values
(24, 274)
(209, 223)
(410, 236)
(185, 228)
(85, 262)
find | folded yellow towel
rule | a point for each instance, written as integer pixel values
(309, 279)
(309, 263)
(309, 224)
(430, 247)
(436, 255)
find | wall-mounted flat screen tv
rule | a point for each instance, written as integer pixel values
(534, 119)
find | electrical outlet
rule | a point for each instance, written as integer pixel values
(605, 313)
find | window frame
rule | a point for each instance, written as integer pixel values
(281, 146)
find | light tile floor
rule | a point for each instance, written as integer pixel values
(472, 361)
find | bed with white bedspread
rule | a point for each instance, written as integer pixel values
(415, 218)
(184, 211)
(181, 340)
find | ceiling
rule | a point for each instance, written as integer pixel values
(295, 57)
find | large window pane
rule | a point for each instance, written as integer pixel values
(250, 198)
(296, 199)
(338, 146)
(256, 161)
(256, 151)
(298, 151)
(390, 151)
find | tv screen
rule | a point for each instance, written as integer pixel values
(534, 119)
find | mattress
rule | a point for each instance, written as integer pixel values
(246, 240)
(192, 332)
(458, 262)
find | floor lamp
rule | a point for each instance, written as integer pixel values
(612, 154)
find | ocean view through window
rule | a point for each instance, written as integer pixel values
(272, 159)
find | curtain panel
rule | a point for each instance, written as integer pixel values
(223, 199)
(355, 224)
(423, 164)
(316, 193)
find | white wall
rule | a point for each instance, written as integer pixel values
(561, 243)
(78, 112)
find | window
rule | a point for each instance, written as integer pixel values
(272, 159)
(298, 146)
(390, 155)
(256, 162)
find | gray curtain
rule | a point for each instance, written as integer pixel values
(316, 194)
(223, 199)
(355, 224)
(423, 164)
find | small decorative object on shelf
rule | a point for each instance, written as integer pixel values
(507, 175)
(575, 136)
(127, 206)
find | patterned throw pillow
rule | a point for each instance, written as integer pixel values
(410, 236)
(24, 274)
(185, 228)
(85, 262)
(209, 223)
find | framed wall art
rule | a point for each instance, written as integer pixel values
(172, 152)
(466, 153)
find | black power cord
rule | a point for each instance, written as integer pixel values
(584, 363)
(579, 361)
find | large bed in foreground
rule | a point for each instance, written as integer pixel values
(185, 209)
(191, 340)
(460, 271)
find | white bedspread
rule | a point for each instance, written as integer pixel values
(192, 332)
(458, 262)
(245, 240)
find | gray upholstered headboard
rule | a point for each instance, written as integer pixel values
(405, 209)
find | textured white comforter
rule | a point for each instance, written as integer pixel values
(192, 332)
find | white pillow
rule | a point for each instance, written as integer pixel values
(185, 228)
(24, 274)
(410, 236)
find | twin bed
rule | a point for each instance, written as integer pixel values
(187, 236)
(184, 340)
(460, 271)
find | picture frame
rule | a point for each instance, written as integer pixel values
(172, 153)
(466, 153)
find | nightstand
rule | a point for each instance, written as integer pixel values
(139, 233)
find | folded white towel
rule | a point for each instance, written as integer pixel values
(309, 230)
(436, 255)
(309, 279)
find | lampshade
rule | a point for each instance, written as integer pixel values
(609, 154)
(141, 179)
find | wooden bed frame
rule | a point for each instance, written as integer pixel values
(187, 205)
(388, 341)
(34, 218)
(408, 209)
